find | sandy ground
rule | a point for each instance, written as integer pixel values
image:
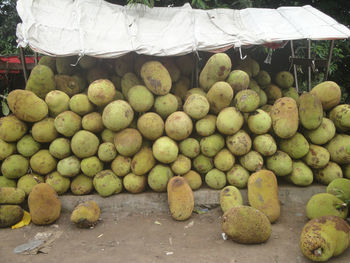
(156, 237)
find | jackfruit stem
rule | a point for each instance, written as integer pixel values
(318, 252)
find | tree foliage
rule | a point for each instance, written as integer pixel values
(8, 22)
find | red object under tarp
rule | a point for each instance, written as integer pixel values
(14, 60)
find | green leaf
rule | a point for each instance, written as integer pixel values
(5, 108)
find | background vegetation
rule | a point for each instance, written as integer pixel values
(340, 67)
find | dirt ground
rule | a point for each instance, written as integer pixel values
(156, 237)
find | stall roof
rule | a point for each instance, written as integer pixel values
(101, 29)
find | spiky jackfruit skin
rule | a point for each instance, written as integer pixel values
(92, 122)
(128, 141)
(238, 176)
(246, 225)
(329, 93)
(310, 111)
(265, 144)
(101, 92)
(189, 147)
(324, 204)
(128, 81)
(178, 125)
(240, 143)
(6, 149)
(58, 182)
(80, 104)
(259, 122)
(301, 174)
(151, 125)
(140, 98)
(212, 144)
(317, 156)
(67, 123)
(263, 194)
(156, 77)
(43, 162)
(81, 185)
(284, 79)
(70, 85)
(247, 100)
(296, 146)
(27, 146)
(180, 198)
(44, 131)
(5, 182)
(217, 68)
(86, 214)
(215, 179)
(238, 80)
(64, 65)
(323, 134)
(203, 164)
(28, 181)
(340, 188)
(10, 215)
(41, 81)
(117, 115)
(196, 106)
(158, 177)
(273, 93)
(143, 161)
(106, 183)
(165, 105)
(263, 78)
(27, 106)
(324, 237)
(44, 205)
(252, 161)
(285, 117)
(230, 196)
(229, 121)
(11, 196)
(280, 163)
(181, 165)
(60, 148)
(57, 101)
(193, 179)
(224, 160)
(12, 129)
(206, 126)
(121, 165)
(340, 115)
(339, 148)
(84, 144)
(292, 93)
(14, 166)
(69, 166)
(48, 61)
(328, 173)
(134, 183)
(219, 96)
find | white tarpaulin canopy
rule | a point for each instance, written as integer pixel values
(98, 28)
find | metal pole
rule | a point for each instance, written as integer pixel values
(36, 58)
(24, 65)
(309, 67)
(295, 67)
(330, 52)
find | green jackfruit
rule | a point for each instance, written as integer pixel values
(27, 106)
(180, 198)
(246, 225)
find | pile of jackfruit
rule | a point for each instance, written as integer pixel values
(140, 123)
